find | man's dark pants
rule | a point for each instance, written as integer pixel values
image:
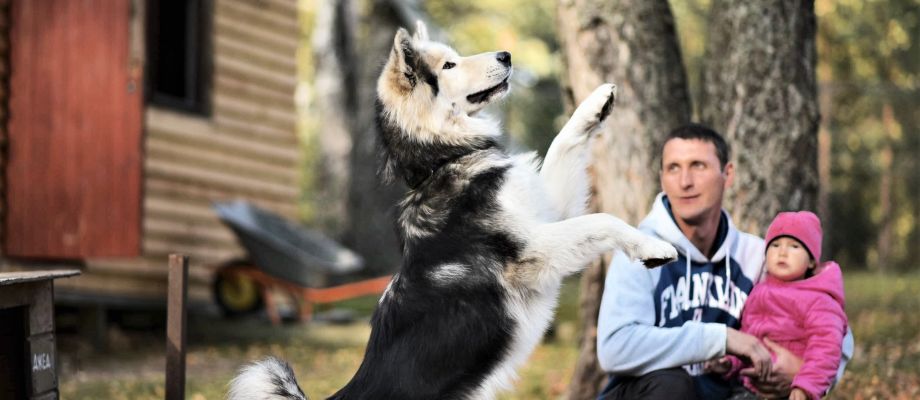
(672, 383)
(665, 384)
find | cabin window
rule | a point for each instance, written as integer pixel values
(178, 55)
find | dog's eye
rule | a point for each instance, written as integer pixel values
(448, 65)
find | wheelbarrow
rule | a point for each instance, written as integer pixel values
(283, 256)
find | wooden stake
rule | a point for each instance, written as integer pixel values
(175, 327)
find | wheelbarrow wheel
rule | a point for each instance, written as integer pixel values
(236, 293)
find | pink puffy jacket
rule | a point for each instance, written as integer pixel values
(804, 316)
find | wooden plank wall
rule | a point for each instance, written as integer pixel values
(247, 149)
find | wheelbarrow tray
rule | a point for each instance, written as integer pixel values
(286, 250)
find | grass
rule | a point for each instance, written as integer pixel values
(884, 317)
(883, 314)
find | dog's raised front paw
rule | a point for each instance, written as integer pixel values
(653, 252)
(595, 109)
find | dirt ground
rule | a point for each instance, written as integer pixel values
(882, 313)
(132, 365)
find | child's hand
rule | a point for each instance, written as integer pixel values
(719, 366)
(798, 394)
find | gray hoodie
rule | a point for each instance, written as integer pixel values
(652, 319)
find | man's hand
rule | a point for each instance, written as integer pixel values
(779, 384)
(719, 366)
(743, 345)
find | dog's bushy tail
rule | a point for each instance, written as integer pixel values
(268, 379)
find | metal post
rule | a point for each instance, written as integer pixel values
(175, 327)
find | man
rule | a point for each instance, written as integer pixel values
(657, 327)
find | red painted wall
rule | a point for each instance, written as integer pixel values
(74, 153)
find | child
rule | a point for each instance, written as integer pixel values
(799, 305)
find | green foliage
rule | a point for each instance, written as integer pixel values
(869, 61)
(868, 66)
(869, 89)
(534, 114)
(869, 41)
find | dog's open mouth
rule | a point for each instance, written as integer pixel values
(484, 95)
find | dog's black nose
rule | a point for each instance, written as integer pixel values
(504, 57)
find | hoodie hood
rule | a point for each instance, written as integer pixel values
(734, 268)
(828, 280)
(660, 223)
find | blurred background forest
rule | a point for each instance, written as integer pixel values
(867, 69)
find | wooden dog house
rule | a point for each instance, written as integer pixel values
(27, 342)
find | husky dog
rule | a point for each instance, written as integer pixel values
(487, 237)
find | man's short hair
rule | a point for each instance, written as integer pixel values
(704, 133)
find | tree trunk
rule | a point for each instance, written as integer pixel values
(633, 44)
(759, 91)
(886, 196)
(335, 94)
(371, 206)
(825, 144)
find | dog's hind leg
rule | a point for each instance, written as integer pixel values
(562, 248)
(565, 166)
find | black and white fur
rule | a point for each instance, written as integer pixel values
(487, 237)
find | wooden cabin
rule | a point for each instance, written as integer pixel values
(121, 121)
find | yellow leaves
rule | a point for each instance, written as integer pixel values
(867, 41)
(904, 224)
(488, 32)
(477, 33)
(824, 7)
(895, 38)
(865, 68)
(518, 26)
(897, 35)
(535, 55)
(855, 5)
(853, 143)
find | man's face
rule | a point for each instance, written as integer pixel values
(693, 180)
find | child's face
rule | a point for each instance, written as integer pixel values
(787, 259)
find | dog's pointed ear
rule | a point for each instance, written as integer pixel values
(404, 58)
(421, 31)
